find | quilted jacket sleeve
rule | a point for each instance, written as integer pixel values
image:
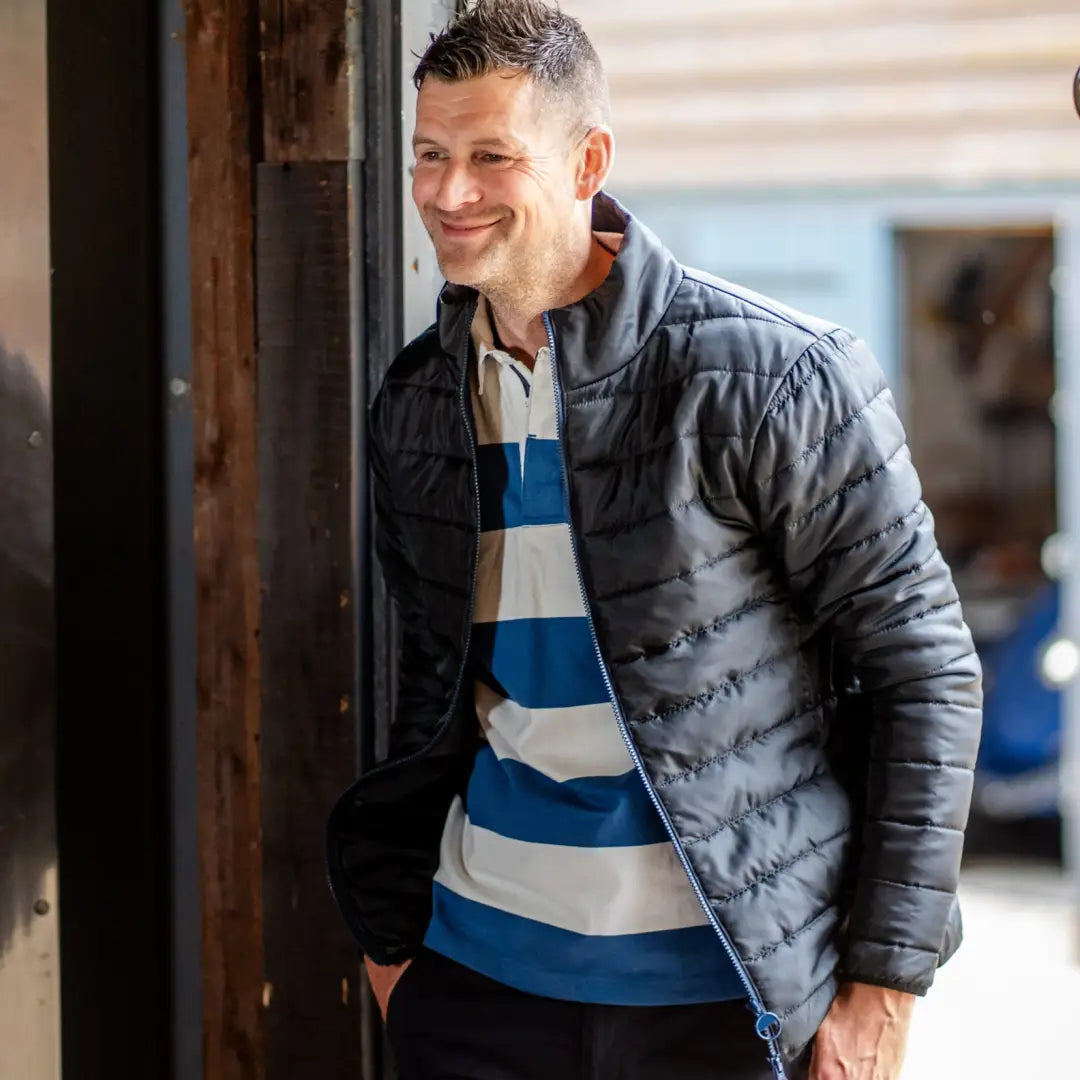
(419, 693)
(835, 492)
(383, 834)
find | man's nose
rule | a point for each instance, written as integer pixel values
(457, 187)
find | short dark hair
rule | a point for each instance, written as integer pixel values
(527, 35)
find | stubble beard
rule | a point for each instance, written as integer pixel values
(511, 278)
(472, 271)
(498, 272)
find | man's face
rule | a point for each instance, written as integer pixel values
(495, 180)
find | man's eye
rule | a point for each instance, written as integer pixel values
(493, 159)
(431, 155)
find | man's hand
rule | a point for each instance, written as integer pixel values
(864, 1035)
(383, 979)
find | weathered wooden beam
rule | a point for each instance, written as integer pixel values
(305, 89)
(309, 612)
(306, 492)
(226, 553)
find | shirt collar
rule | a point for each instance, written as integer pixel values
(483, 337)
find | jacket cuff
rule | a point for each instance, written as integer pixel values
(387, 957)
(894, 966)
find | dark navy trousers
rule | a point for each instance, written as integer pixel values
(447, 1022)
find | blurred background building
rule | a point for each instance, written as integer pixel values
(207, 260)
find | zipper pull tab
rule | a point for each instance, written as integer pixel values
(768, 1027)
(777, 1063)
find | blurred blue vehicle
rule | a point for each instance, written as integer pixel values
(1017, 772)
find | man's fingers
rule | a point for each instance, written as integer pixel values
(383, 979)
(822, 1071)
(824, 1066)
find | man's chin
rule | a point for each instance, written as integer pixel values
(461, 271)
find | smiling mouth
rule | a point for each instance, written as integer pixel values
(465, 230)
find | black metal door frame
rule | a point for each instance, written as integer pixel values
(111, 600)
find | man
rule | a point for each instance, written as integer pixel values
(687, 709)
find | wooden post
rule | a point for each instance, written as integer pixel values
(309, 613)
(308, 544)
(305, 88)
(226, 553)
(274, 532)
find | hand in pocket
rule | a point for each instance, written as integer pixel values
(383, 979)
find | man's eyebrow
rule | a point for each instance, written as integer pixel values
(501, 142)
(496, 141)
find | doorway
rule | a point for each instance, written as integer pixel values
(978, 357)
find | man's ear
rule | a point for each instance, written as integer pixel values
(597, 154)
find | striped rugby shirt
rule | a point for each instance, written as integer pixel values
(556, 875)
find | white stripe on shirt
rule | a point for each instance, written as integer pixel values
(604, 891)
(563, 744)
(525, 573)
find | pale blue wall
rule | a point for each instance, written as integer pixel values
(826, 258)
(833, 254)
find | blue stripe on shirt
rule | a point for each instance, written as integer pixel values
(664, 967)
(519, 802)
(507, 504)
(542, 663)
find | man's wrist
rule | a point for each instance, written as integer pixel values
(898, 1003)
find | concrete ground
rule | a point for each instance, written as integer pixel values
(1008, 1004)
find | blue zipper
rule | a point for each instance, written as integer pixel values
(767, 1024)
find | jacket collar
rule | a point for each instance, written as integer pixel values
(605, 330)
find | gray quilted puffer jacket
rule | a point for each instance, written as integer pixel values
(783, 641)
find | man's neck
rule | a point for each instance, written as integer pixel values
(519, 325)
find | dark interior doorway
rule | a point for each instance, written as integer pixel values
(979, 364)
